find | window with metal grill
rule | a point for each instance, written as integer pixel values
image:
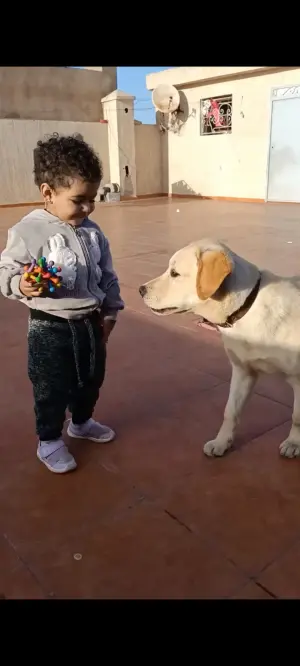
(216, 115)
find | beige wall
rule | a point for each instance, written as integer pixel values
(185, 76)
(17, 141)
(148, 155)
(226, 165)
(55, 93)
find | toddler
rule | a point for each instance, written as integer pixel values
(68, 329)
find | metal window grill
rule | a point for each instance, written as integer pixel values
(216, 115)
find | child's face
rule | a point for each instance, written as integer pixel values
(71, 204)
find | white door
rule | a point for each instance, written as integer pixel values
(284, 154)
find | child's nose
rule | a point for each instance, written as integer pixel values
(87, 208)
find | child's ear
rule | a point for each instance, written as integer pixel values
(46, 192)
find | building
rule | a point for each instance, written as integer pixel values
(55, 93)
(240, 136)
(235, 134)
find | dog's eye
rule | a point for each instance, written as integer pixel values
(173, 273)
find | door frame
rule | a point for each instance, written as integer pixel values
(278, 93)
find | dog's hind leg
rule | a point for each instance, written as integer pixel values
(290, 448)
(241, 385)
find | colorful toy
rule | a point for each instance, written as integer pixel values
(44, 274)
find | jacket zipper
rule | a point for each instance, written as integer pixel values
(85, 254)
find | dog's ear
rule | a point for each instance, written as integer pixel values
(213, 268)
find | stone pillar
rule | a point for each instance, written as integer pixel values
(119, 112)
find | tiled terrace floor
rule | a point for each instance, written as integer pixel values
(150, 516)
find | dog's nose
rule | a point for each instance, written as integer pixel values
(143, 290)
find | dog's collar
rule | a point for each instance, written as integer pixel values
(238, 314)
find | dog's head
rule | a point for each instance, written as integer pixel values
(200, 278)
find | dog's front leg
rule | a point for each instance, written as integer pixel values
(242, 382)
(290, 448)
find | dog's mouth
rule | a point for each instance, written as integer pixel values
(167, 311)
(204, 323)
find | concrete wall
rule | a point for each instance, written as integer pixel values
(148, 155)
(187, 76)
(225, 165)
(18, 138)
(55, 93)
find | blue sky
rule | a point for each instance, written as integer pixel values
(133, 80)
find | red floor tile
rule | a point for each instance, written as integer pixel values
(260, 414)
(165, 392)
(283, 576)
(275, 388)
(174, 415)
(16, 580)
(38, 506)
(247, 503)
(144, 555)
(252, 591)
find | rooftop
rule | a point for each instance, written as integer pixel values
(149, 516)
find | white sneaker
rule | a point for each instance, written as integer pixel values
(56, 456)
(91, 430)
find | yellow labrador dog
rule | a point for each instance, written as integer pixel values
(257, 314)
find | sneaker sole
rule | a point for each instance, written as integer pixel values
(70, 468)
(105, 440)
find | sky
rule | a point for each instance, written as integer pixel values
(133, 80)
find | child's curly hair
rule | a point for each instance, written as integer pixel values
(58, 160)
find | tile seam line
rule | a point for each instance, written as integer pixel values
(25, 564)
(279, 557)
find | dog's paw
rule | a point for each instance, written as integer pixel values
(216, 448)
(289, 449)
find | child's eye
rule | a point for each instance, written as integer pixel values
(77, 203)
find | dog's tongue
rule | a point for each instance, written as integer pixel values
(205, 324)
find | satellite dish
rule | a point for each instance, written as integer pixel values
(166, 98)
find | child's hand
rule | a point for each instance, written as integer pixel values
(108, 325)
(29, 290)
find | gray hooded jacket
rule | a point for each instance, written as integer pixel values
(88, 277)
